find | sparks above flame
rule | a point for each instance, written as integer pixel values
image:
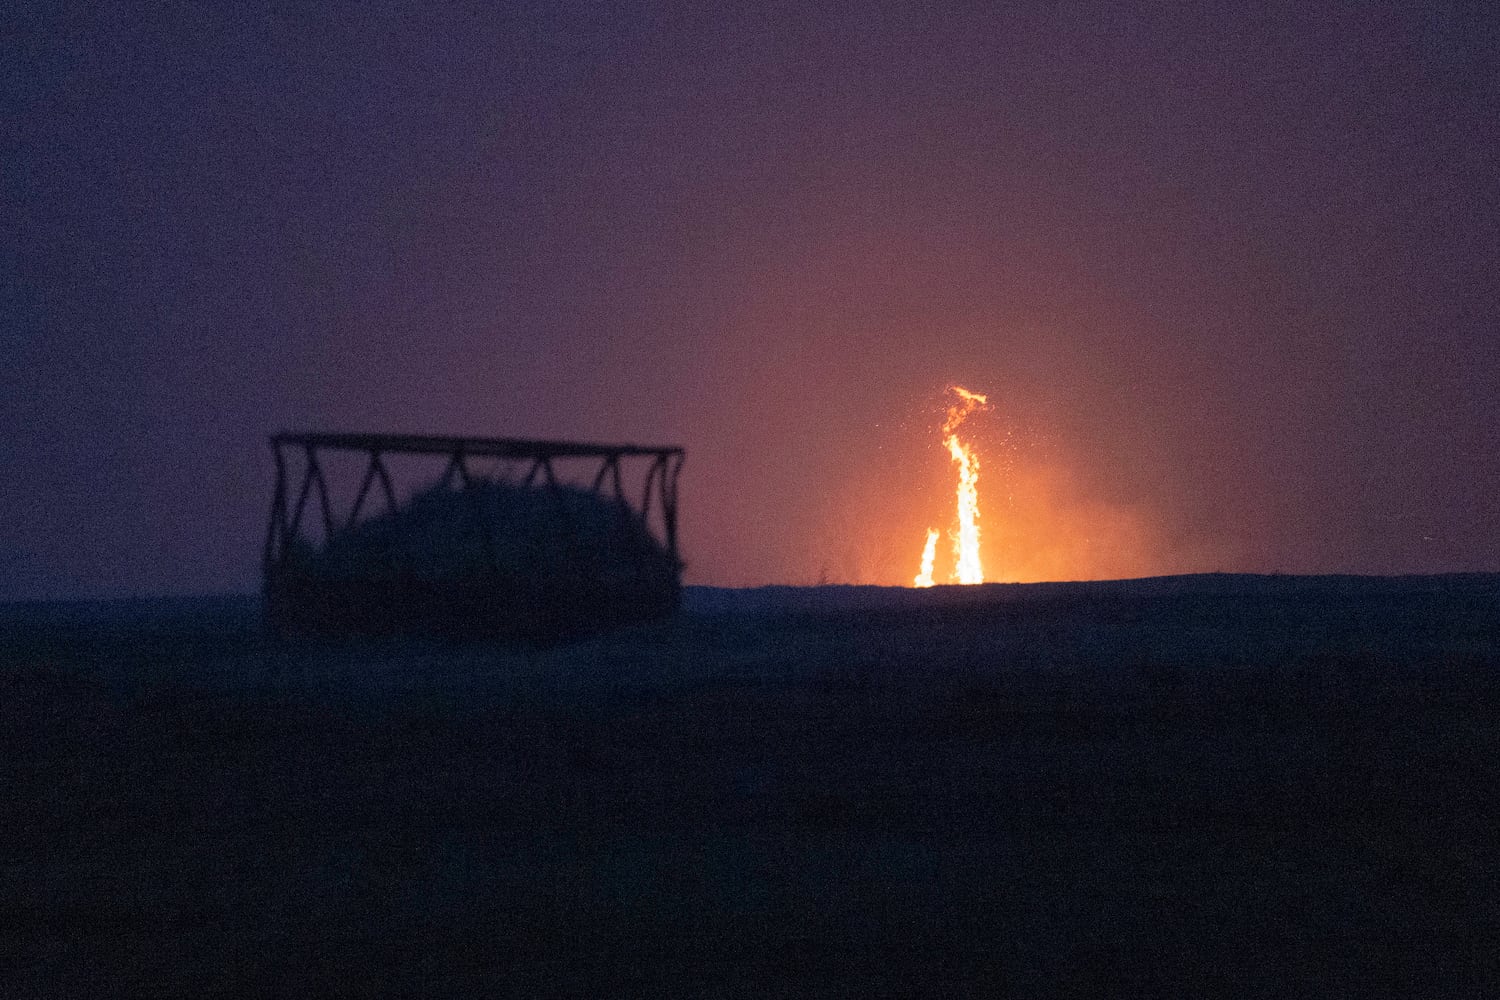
(967, 567)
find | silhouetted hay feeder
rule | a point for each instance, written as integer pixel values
(517, 551)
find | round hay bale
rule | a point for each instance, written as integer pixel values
(490, 559)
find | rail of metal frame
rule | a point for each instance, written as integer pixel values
(659, 490)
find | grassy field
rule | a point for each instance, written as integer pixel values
(1230, 786)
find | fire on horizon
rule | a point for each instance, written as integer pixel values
(1233, 277)
(967, 565)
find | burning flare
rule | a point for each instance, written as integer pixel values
(929, 554)
(966, 541)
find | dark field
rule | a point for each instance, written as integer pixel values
(1222, 786)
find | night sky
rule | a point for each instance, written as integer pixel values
(1231, 280)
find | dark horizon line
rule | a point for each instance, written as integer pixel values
(1221, 576)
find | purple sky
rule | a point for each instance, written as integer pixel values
(1232, 280)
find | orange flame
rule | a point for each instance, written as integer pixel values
(929, 556)
(966, 542)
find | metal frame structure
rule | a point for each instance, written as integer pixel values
(659, 488)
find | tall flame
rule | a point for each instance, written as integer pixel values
(966, 542)
(929, 556)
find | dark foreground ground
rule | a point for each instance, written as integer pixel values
(1205, 786)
